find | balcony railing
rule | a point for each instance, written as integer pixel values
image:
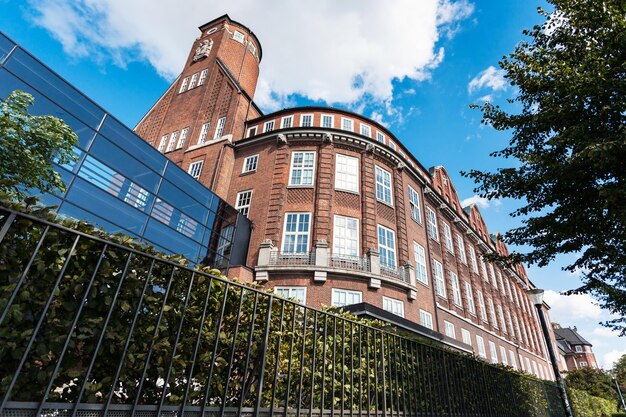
(401, 274)
(285, 258)
(93, 328)
(354, 263)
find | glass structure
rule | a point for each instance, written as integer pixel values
(120, 182)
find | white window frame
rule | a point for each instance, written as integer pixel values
(250, 130)
(493, 352)
(583, 363)
(250, 164)
(345, 180)
(393, 306)
(193, 167)
(431, 218)
(289, 290)
(480, 344)
(286, 122)
(578, 348)
(504, 359)
(332, 121)
(345, 120)
(380, 137)
(183, 85)
(456, 290)
(473, 261)
(471, 306)
(219, 128)
(447, 237)
(414, 205)
(492, 273)
(426, 319)
(163, 142)
(421, 271)
(172, 142)
(384, 192)
(243, 202)
(302, 169)
(203, 75)
(466, 336)
(502, 320)
(269, 126)
(512, 359)
(492, 313)
(336, 293)
(461, 245)
(204, 130)
(392, 145)
(238, 36)
(182, 138)
(387, 252)
(483, 266)
(303, 116)
(193, 81)
(440, 282)
(501, 281)
(342, 233)
(297, 233)
(449, 329)
(365, 130)
(481, 306)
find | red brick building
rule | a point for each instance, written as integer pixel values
(342, 213)
(574, 351)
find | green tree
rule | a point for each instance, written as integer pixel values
(568, 144)
(28, 146)
(592, 380)
(619, 370)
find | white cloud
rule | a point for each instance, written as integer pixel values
(481, 202)
(488, 78)
(572, 307)
(316, 49)
(488, 98)
(609, 358)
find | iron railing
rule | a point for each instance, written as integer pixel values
(355, 263)
(401, 274)
(90, 328)
(288, 258)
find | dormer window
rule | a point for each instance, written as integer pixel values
(238, 36)
(579, 348)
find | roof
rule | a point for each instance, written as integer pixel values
(571, 336)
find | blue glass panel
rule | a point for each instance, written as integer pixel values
(171, 216)
(186, 182)
(43, 106)
(183, 201)
(162, 235)
(70, 210)
(125, 164)
(5, 46)
(106, 206)
(54, 87)
(122, 136)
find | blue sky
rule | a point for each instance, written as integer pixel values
(414, 66)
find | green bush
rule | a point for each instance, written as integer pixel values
(586, 405)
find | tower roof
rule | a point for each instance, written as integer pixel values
(227, 18)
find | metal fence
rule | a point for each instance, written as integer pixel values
(90, 328)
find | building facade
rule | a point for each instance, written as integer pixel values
(120, 183)
(575, 351)
(342, 213)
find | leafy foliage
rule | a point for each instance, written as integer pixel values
(594, 381)
(587, 405)
(619, 371)
(569, 145)
(106, 325)
(29, 144)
